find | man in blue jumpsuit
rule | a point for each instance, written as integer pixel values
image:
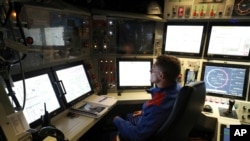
(140, 125)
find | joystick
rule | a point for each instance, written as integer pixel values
(228, 112)
(230, 107)
(231, 104)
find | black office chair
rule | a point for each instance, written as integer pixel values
(185, 114)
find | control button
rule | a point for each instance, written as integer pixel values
(212, 13)
(248, 116)
(180, 11)
(202, 13)
(243, 117)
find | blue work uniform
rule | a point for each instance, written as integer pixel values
(154, 113)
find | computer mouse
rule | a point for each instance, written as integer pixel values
(207, 108)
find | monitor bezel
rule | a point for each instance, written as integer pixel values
(229, 65)
(118, 60)
(222, 56)
(30, 74)
(69, 65)
(185, 54)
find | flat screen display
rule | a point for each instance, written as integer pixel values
(231, 41)
(225, 133)
(190, 76)
(185, 39)
(135, 37)
(225, 80)
(73, 81)
(39, 91)
(133, 73)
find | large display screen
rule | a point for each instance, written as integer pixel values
(133, 73)
(230, 41)
(135, 37)
(39, 92)
(185, 39)
(73, 81)
(225, 80)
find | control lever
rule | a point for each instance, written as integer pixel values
(228, 112)
(231, 104)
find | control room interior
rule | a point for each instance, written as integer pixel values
(60, 56)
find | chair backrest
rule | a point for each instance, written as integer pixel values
(185, 113)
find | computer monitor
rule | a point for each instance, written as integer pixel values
(224, 133)
(136, 37)
(184, 38)
(190, 76)
(73, 82)
(228, 41)
(39, 91)
(225, 80)
(133, 73)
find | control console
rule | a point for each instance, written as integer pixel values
(243, 111)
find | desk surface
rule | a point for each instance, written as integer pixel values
(74, 128)
(131, 96)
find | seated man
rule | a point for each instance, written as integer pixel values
(140, 125)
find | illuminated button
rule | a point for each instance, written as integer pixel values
(180, 11)
(195, 14)
(202, 13)
(212, 13)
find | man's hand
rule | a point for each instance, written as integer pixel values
(137, 113)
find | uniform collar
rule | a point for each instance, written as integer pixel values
(156, 89)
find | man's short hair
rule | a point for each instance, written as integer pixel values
(170, 66)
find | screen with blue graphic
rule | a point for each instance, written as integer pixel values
(225, 80)
(224, 133)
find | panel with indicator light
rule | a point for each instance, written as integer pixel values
(203, 9)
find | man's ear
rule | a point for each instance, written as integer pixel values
(162, 75)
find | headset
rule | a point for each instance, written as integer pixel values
(51, 131)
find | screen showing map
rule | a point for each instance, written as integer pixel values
(225, 80)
